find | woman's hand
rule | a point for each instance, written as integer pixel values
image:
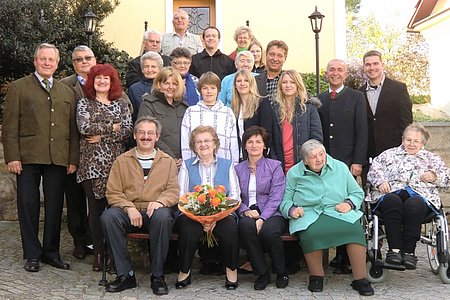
(428, 176)
(343, 207)
(384, 187)
(209, 227)
(116, 127)
(254, 214)
(259, 223)
(298, 212)
(92, 139)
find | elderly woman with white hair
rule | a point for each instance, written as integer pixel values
(243, 36)
(322, 202)
(244, 61)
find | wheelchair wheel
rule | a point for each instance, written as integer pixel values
(444, 273)
(375, 274)
(432, 249)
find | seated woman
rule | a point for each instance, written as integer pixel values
(261, 225)
(322, 201)
(207, 168)
(405, 183)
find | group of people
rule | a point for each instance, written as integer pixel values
(196, 116)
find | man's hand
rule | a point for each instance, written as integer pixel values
(71, 169)
(151, 208)
(135, 217)
(15, 166)
(252, 214)
(298, 212)
(384, 188)
(259, 224)
(356, 169)
(343, 207)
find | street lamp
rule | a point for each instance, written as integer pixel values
(90, 23)
(316, 26)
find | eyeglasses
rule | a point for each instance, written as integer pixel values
(181, 63)
(80, 59)
(143, 132)
(207, 141)
(414, 142)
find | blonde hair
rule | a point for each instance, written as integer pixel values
(251, 106)
(164, 75)
(262, 61)
(286, 111)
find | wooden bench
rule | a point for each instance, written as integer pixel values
(145, 236)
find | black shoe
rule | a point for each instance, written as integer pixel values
(394, 258)
(159, 286)
(79, 252)
(230, 285)
(315, 283)
(410, 261)
(363, 287)
(57, 263)
(183, 283)
(122, 283)
(262, 281)
(32, 265)
(282, 281)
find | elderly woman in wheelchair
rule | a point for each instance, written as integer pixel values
(404, 191)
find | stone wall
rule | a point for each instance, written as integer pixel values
(439, 143)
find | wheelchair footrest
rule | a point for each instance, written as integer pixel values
(382, 264)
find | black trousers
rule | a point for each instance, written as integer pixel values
(190, 232)
(96, 208)
(403, 216)
(28, 208)
(77, 220)
(269, 238)
(116, 225)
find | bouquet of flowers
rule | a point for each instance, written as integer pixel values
(207, 205)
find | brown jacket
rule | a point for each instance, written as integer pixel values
(38, 127)
(127, 188)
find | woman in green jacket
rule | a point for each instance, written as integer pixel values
(322, 201)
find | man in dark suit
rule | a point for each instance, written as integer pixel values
(389, 108)
(151, 42)
(40, 141)
(83, 59)
(344, 123)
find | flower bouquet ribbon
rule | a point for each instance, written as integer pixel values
(207, 205)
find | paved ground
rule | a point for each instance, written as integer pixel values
(81, 283)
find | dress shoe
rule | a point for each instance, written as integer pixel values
(57, 263)
(97, 263)
(282, 281)
(158, 285)
(315, 283)
(32, 265)
(410, 261)
(122, 283)
(262, 281)
(363, 287)
(79, 251)
(230, 285)
(183, 283)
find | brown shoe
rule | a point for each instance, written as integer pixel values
(97, 263)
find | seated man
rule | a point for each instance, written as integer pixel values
(142, 188)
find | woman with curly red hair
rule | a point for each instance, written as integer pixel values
(104, 123)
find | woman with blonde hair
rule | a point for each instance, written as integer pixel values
(259, 54)
(243, 36)
(249, 107)
(166, 104)
(297, 118)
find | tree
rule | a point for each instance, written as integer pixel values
(27, 23)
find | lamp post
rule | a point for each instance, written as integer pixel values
(90, 23)
(316, 26)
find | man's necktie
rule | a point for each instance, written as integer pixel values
(333, 94)
(46, 84)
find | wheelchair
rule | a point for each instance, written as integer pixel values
(434, 235)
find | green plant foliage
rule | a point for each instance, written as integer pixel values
(27, 23)
(310, 82)
(419, 116)
(420, 99)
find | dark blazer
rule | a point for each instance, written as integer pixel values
(344, 125)
(29, 114)
(72, 82)
(134, 72)
(392, 115)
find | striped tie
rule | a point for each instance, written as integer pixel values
(46, 84)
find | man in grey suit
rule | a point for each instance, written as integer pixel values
(83, 59)
(40, 142)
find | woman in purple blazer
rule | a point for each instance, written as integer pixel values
(261, 225)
